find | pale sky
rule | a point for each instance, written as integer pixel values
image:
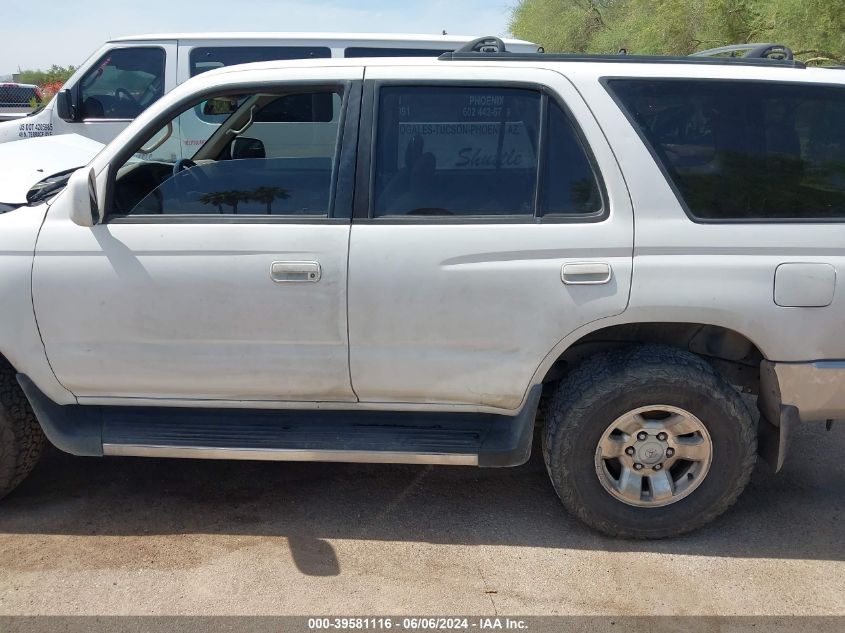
(64, 32)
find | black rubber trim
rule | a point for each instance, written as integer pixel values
(773, 436)
(512, 445)
(343, 190)
(498, 440)
(776, 419)
(72, 428)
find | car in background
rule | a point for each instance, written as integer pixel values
(13, 95)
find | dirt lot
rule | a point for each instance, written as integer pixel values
(121, 536)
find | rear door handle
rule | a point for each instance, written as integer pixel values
(586, 273)
(282, 272)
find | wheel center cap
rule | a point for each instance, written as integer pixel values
(650, 452)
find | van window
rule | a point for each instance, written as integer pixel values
(207, 58)
(739, 150)
(123, 83)
(443, 151)
(372, 51)
(203, 59)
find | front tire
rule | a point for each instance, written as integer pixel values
(648, 442)
(21, 438)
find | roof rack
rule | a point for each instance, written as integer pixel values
(771, 55)
(777, 52)
(487, 44)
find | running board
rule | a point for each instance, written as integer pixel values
(470, 439)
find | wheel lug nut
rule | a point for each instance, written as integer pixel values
(662, 437)
(657, 467)
(629, 450)
(638, 466)
(642, 436)
(670, 452)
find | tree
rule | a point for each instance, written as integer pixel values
(233, 198)
(266, 195)
(814, 29)
(55, 74)
(215, 198)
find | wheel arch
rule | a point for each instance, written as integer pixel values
(733, 354)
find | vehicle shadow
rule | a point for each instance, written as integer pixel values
(794, 515)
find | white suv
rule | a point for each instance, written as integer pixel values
(402, 260)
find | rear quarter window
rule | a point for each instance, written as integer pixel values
(744, 150)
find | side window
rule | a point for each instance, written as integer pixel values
(456, 151)
(744, 150)
(205, 58)
(569, 183)
(273, 155)
(123, 83)
(475, 151)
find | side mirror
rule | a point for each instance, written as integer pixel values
(244, 147)
(65, 107)
(82, 190)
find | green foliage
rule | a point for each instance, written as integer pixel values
(54, 74)
(814, 29)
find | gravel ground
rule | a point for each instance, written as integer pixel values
(133, 536)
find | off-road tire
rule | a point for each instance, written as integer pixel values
(21, 438)
(606, 386)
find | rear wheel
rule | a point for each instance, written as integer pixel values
(21, 438)
(648, 442)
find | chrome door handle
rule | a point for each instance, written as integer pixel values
(282, 272)
(585, 273)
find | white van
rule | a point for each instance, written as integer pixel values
(128, 74)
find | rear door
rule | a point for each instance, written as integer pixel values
(491, 221)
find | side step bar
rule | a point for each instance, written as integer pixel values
(470, 439)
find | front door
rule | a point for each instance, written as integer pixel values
(226, 281)
(498, 224)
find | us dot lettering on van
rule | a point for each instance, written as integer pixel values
(34, 130)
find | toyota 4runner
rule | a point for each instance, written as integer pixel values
(406, 260)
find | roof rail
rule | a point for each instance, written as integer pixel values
(619, 59)
(487, 44)
(777, 52)
(492, 47)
